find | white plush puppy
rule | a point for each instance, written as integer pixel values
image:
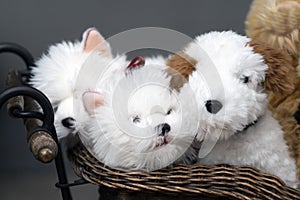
(136, 121)
(231, 76)
(56, 72)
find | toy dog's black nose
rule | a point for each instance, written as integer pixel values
(165, 128)
(213, 106)
(68, 122)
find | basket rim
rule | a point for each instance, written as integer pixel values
(222, 180)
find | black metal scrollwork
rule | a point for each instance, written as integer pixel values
(42, 137)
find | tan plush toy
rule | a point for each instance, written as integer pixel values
(277, 23)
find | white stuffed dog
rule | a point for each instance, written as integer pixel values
(231, 76)
(137, 121)
(56, 74)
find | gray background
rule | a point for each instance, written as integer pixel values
(37, 24)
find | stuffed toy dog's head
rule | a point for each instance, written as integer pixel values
(56, 74)
(231, 77)
(56, 71)
(137, 121)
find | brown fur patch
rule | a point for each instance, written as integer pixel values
(283, 108)
(279, 68)
(181, 66)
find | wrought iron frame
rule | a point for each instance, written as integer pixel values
(46, 116)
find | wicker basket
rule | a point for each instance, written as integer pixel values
(180, 182)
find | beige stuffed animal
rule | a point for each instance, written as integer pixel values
(277, 23)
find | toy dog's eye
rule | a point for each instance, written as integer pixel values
(136, 119)
(245, 79)
(169, 111)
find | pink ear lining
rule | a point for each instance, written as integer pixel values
(92, 39)
(86, 36)
(91, 101)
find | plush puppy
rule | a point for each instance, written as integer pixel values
(277, 23)
(231, 76)
(136, 121)
(57, 70)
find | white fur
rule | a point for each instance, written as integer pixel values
(118, 141)
(57, 70)
(67, 72)
(56, 75)
(64, 109)
(223, 60)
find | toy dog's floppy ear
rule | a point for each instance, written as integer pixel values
(181, 66)
(93, 41)
(91, 101)
(278, 78)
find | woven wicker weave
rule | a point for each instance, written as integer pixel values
(179, 182)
